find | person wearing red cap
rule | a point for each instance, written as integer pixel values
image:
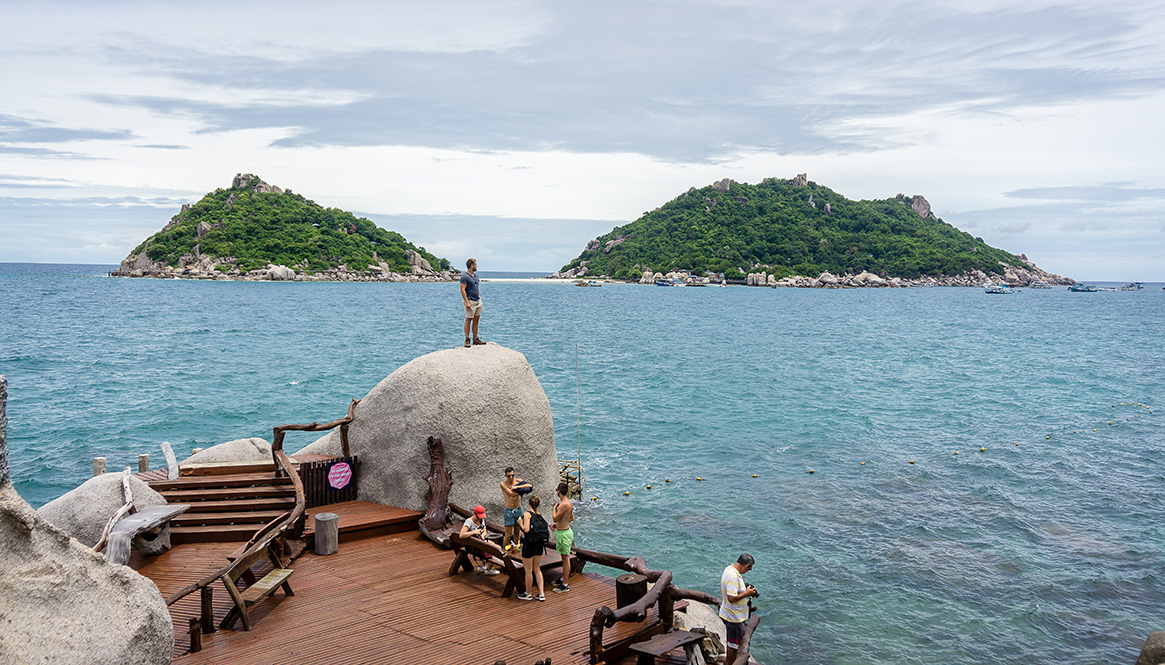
(475, 526)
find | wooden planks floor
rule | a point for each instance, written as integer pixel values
(386, 599)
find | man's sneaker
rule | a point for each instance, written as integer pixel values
(540, 598)
(479, 569)
(561, 588)
(467, 343)
(490, 571)
(477, 341)
(525, 596)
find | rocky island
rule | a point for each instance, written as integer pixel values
(797, 233)
(256, 231)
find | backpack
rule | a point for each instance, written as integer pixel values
(539, 530)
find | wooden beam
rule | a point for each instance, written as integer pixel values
(433, 524)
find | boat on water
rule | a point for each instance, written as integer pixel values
(1133, 286)
(590, 282)
(1083, 288)
(1039, 285)
(998, 288)
(670, 282)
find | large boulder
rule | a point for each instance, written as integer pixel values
(1153, 653)
(253, 449)
(280, 273)
(486, 406)
(84, 511)
(62, 603)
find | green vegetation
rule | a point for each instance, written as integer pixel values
(258, 228)
(772, 224)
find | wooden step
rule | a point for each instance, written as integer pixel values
(218, 494)
(220, 468)
(218, 533)
(234, 480)
(259, 517)
(239, 505)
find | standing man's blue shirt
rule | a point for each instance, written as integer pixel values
(470, 282)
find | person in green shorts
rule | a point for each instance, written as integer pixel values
(563, 535)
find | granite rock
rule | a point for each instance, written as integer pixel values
(253, 449)
(83, 511)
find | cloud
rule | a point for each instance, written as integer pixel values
(20, 130)
(1110, 193)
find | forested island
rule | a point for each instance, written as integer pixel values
(790, 231)
(254, 230)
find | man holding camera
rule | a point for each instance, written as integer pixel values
(734, 595)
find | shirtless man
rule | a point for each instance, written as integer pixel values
(563, 535)
(513, 510)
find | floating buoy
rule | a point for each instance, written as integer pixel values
(1110, 422)
(594, 498)
(626, 493)
(754, 475)
(912, 461)
(982, 450)
(1050, 436)
(698, 478)
(1073, 431)
(810, 470)
(1093, 429)
(667, 480)
(863, 463)
(1017, 444)
(649, 487)
(956, 452)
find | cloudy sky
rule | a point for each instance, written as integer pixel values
(516, 131)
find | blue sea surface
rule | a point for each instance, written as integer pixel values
(801, 410)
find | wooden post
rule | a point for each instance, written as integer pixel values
(629, 588)
(596, 636)
(143, 462)
(171, 461)
(207, 614)
(667, 609)
(344, 448)
(98, 466)
(195, 636)
(432, 525)
(327, 533)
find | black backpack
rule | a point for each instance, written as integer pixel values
(539, 530)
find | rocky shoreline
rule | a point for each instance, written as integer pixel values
(1012, 276)
(224, 269)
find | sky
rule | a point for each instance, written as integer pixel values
(516, 131)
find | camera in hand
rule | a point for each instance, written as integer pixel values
(755, 593)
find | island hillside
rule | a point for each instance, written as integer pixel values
(254, 230)
(781, 228)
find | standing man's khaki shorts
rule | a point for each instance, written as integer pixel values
(474, 309)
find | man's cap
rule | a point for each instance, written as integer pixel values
(479, 511)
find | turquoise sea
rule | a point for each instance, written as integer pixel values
(1046, 547)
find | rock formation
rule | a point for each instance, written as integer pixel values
(83, 511)
(60, 602)
(801, 180)
(484, 403)
(253, 449)
(280, 273)
(241, 180)
(722, 185)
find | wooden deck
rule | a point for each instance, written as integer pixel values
(386, 599)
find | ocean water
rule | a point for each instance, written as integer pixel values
(1046, 547)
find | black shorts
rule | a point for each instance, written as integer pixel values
(532, 548)
(735, 632)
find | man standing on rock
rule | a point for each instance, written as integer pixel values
(472, 299)
(563, 534)
(734, 595)
(512, 489)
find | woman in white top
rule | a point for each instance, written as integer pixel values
(475, 526)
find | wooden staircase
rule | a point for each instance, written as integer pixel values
(225, 507)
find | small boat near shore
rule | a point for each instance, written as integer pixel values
(998, 288)
(1133, 286)
(587, 283)
(1083, 288)
(1039, 285)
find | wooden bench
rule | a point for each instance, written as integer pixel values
(145, 520)
(511, 563)
(278, 577)
(660, 644)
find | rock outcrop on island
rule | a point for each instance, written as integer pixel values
(256, 231)
(83, 511)
(786, 231)
(60, 602)
(484, 403)
(253, 449)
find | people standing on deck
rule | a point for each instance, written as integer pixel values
(471, 297)
(535, 534)
(734, 609)
(512, 490)
(563, 534)
(475, 526)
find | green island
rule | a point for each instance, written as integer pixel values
(783, 228)
(254, 230)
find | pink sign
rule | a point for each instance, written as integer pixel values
(339, 475)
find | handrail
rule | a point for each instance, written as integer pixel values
(342, 423)
(263, 536)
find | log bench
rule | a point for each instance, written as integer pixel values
(144, 521)
(511, 563)
(257, 591)
(660, 644)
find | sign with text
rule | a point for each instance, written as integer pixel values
(339, 475)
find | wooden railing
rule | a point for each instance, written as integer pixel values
(342, 423)
(318, 487)
(663, 593)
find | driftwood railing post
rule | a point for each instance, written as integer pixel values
(432, 525)
(206, 616)
(342, 423)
